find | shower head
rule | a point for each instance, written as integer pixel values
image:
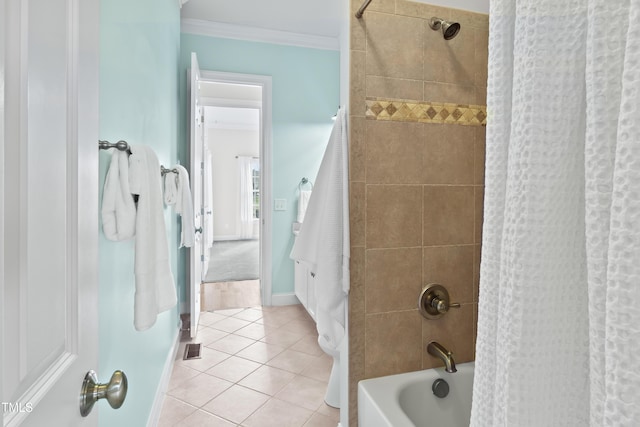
(449, 29)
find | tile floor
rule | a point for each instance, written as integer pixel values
(222, 295)
(260, 367)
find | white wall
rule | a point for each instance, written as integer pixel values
(225, 145)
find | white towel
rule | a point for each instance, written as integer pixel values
(170, 188)
(303, 203)
(118, 207)
(155, 286)
(323, 241)
(177, 193)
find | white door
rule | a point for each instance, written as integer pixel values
(196, 147)
(48, 209)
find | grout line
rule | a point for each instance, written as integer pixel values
(292, 316)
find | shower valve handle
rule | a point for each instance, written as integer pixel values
(442, 305)
(433, 302)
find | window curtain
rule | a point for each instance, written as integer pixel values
(558, 339)
(245, 197)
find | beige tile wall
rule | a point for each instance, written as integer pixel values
(416, 188)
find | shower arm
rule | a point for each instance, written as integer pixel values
(364, 6)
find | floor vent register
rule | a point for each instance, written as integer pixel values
(193, 351)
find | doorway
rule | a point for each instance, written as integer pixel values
(232, 145)
(236, 180)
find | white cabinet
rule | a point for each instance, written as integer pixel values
(304, 287)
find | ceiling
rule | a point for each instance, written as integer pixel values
(311, 17)
(231, 106)
(246, 119)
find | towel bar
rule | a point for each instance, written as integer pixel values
(124, 146)
(164, 171)
(120, 145)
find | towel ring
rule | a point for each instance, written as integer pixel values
(303, 182)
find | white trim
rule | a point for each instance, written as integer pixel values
(3, 24)
(40, 388)
(247, 127)
(265, 166)
(255, 34)
(284, 299)
(231, 103)
(156, 408)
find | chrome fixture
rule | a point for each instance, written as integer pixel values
(120, 145)
(437, 350)
(362, 9)
(449, 29)
(114, 391)
(434, 301)
(164, 171)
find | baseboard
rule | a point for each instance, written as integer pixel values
(284, 299)
(234, 237)
(156, 409)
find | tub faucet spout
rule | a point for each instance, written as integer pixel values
(437, 350)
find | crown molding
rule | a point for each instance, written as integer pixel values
(255, 34)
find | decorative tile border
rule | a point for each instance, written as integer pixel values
(402, 110)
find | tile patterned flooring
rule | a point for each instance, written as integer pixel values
(260, 367)
(222, 295)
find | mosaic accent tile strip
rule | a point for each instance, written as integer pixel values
(402, 110)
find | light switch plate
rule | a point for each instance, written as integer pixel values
(280, 204)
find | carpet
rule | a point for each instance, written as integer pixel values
(233, 260)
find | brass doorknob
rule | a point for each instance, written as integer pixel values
(114, 391)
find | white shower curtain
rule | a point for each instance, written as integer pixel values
(559, 310)
(245, 195)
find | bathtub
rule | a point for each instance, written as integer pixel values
(406, 400)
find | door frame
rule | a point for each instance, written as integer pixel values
(265, 165)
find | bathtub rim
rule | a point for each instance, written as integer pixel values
(382, 394)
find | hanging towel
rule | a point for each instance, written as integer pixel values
(170, 188)
(118, 207)
(303, 203)
(323, 241)
(177, 193)
(155, 286)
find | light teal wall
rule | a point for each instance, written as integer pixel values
(139, 52)
(306, 93)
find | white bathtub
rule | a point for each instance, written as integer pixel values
(407, 400)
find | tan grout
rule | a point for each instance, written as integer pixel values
(291, 315)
